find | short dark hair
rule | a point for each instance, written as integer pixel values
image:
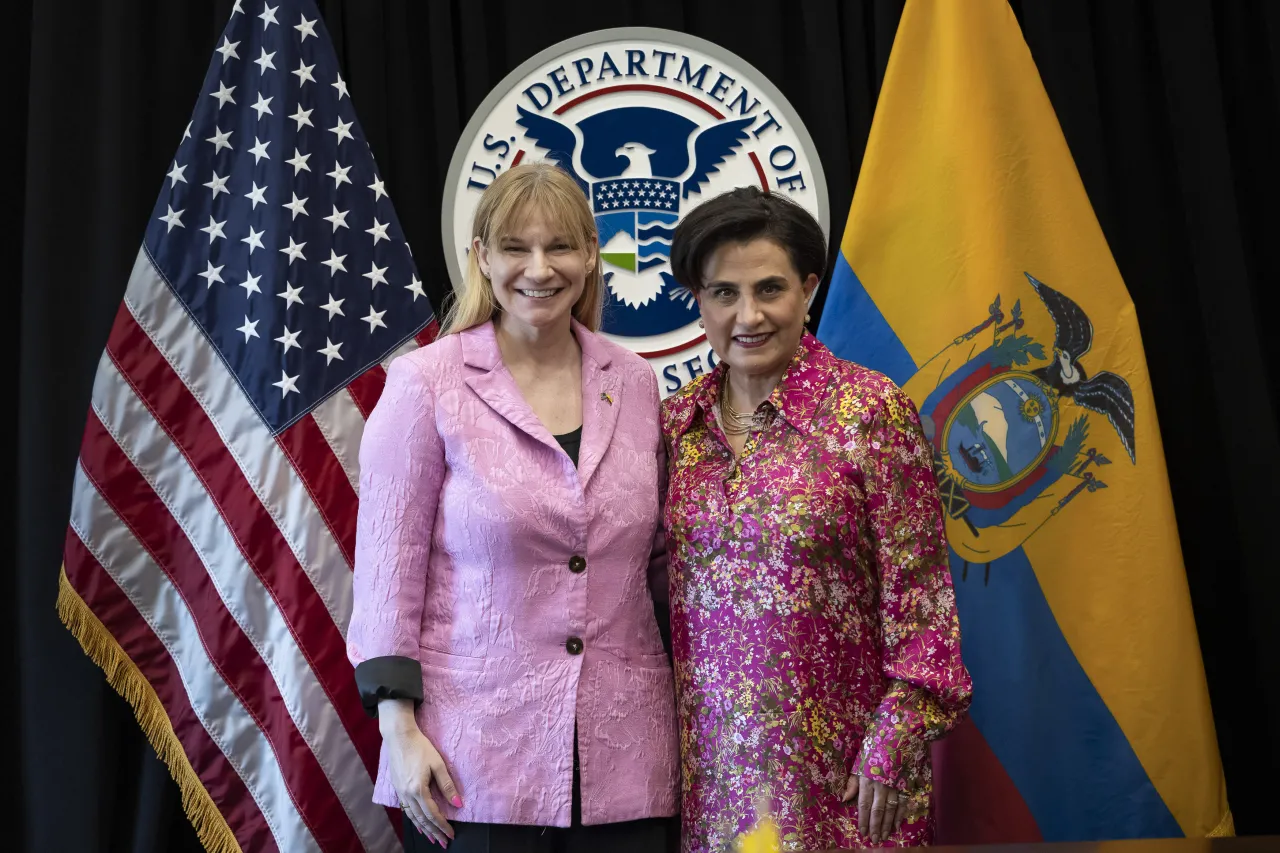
(740, 216)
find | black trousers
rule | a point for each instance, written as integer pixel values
(650, 835)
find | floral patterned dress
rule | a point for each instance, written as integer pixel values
(813, 617)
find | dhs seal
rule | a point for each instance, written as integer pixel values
(650, 123)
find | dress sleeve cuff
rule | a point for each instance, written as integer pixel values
(391, 677)
(894, 756)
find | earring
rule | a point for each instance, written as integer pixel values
(806, 319)
(701, 325)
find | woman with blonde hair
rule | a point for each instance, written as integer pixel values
(509, 553)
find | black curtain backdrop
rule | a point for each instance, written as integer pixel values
(1171, 110)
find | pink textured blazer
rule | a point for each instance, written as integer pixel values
(521, 584)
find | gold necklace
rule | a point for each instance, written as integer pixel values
(734, 422)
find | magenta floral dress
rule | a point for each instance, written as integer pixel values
(813, 618)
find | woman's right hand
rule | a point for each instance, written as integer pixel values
(415, 764)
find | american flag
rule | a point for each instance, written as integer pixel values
(208, 557)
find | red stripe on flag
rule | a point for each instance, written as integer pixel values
(225, 643)
(367, 388)
(429, 331)
(326, 480)
(975, 801)
(260, 540)
(117, 613)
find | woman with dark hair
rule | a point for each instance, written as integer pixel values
(817, 648)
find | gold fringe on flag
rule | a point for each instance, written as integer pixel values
(127, 680)
(1226, 827)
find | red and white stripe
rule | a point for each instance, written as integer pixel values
(219, 557)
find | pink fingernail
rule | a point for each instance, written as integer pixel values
(457, 801)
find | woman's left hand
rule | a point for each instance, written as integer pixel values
(881, 809)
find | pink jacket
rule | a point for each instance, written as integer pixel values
(472, 522)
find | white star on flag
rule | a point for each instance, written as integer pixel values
(374, 319)
(307, 28)
(214, 230)
(289, 339)
(376, 275)
(304, 73)
(294, 251)
(172, 218)
(343, 130)
(256, 195)
(298, 205)
(339, 175)
(291, 295)
(334, 306)
(330, 352)
(299, 161)
(415, 287)
(338, 218)
(250, 283)
(262, 106)
(219, 139)
(259, 150)
(211, 274)
(334, 263)
(228, 50)
(286, 384)
(218, 185)
(249, 329)
(254, 240)
(223, 94)
(264, 61)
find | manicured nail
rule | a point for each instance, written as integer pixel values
(457, 801)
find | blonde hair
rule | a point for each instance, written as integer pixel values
(505, 205)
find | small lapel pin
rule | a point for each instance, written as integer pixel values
(606, 398)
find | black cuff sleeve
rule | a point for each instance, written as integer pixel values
(391, 677)
(662, 612)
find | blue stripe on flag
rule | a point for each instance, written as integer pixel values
(1042, 717)
(853, 328)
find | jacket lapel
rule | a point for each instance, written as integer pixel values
(493, 383)
(601, 402)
